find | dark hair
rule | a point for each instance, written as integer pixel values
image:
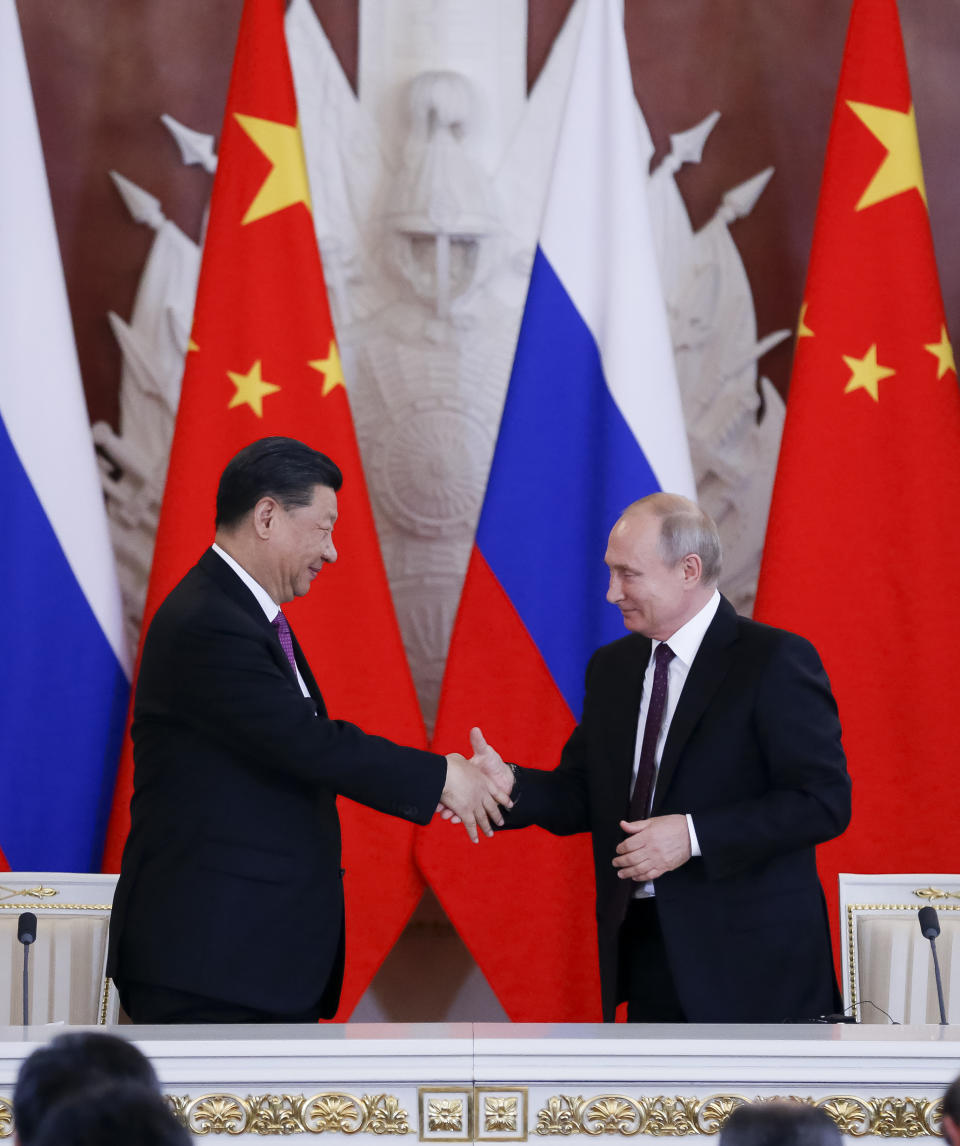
(114, 1114)
(779, 1124)
(70, 1064)
(951, 1101)
(282, 468)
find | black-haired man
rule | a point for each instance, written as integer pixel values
(229, 906)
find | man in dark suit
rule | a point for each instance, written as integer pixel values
(229, 906)
(707, 766)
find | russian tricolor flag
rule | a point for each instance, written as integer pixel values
(64, 669)
(592, 421)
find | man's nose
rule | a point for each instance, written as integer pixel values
(613, 593)
(330, 554)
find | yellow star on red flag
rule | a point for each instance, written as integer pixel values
(866, 373)
(943, 352)
(900, 169)
(803, 331)
(287, 182)
(251, 389)
(330, 368)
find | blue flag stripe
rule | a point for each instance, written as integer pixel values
(64, 697)
(565, 466)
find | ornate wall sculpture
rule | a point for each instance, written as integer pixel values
(427, 190)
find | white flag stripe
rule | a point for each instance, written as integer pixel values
(608, 263)
(41, 394)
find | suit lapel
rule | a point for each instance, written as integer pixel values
(622, 713)
(706, 674)
(308, 677)
(235, 589)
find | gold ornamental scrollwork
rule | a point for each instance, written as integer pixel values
(712, 1114)
(611, 1114)
(327, 1112)
(935, 893)
(275, 1114)
(6, 1119)
(562, 1115)
(38, 892)
(339, 1113)
(665, 1116)
(213, 1114)
(383, 1114)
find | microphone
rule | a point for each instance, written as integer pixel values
(929, 922)
(930, 928)
(27, 928)
(27, 934)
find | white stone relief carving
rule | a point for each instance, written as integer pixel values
(427, 190)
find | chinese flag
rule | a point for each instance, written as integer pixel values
(863, 546)
(263, 360)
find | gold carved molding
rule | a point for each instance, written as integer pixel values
(327, 1112)
(664, 1116)
(38, 892)
(445, 1114)
(660, 1117)
(44, 907)
(935, 893)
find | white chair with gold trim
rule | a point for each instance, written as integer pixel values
(68, 960)
(886, 960)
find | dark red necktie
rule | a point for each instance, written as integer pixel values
(646, 770)
(279, 622)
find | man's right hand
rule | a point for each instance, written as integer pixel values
(473, 795)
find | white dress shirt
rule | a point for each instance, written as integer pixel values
(685, 644)
(264, 600)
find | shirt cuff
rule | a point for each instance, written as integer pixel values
(694, 842)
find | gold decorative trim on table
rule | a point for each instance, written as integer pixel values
(663, 1116)
(43, 907)
(935, 893)
(501, 1113)
(38, 892)
(446, 1113)
(328, 1111)
(922, 892)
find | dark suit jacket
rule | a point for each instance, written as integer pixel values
(754, 754)
(230, 885)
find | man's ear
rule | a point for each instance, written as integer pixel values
(264, 516)
(692, 569)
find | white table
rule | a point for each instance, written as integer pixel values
(462, 1082)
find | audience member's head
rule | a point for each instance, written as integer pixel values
(72, 1064)
(779, 1124)
(113, 1114)
(951, 1113)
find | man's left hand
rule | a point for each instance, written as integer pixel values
(652, 847)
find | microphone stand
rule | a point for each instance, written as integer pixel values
(936, 972)
(26, 985)
(27, 934)
(930, 928)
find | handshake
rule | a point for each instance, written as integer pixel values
(475, 788)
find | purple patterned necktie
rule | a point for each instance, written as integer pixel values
(646, 770)
(279, 622)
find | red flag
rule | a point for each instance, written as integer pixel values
(262, 361)
(863, 543)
